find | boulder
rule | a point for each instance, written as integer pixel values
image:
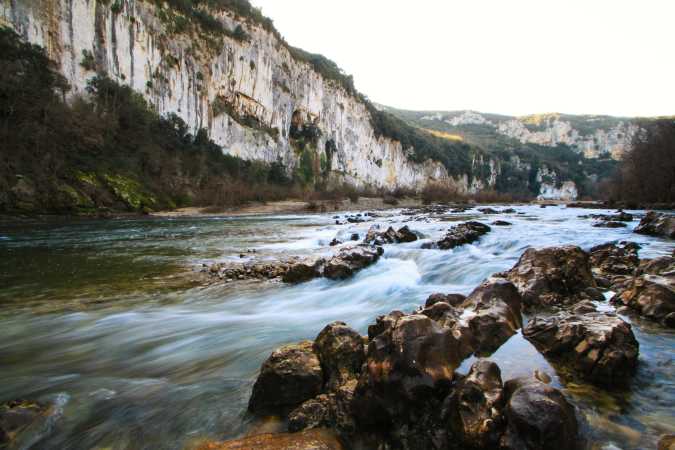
(333, 410)
(652, 291)
(609, 224)
(614, 261)
(303, 271)
(657, 224)
(552, 276)
(349, 261)
(538, 416)
(501, 223)
(341, 353)
(488, 211)
(291, 375)
(390, 236)
(464, 233)
(474, 407)
(620, 216)
(451, 299)
(315, 439)
(599, 347)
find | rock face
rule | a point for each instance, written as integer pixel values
(464, 233)
(214, 81)
(290, 376)
(553, 276)
(390, 236)
(652, 291)
(657, 224)
(598, 346)
(538, 417)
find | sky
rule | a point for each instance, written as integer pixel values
(513, 57)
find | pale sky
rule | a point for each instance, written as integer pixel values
(502, 56)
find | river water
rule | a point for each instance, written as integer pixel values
(109, 321)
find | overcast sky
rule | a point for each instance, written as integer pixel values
(502, 56)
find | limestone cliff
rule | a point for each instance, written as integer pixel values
(245, 87)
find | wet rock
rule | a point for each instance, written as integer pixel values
(542, 376)
(488, 211)
(600, 347)
(314, 413)
(538, 417)
(350, 260)
(390, 236)
(315, 439)
(341, 353)
(291, 375)
(464, 233)
(303, 271)
(667, 442)
(383, 324)
(18, 417)
(620, 216)
(612, 261)
(652, 291)
(552, 276)
(584, 307)
(335, 242)
(609, 224)
(508, 211)
(474, 407)
(501, 223)
(354, 237)
(451, 299)
(657, 224)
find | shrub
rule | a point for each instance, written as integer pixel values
(88, 62)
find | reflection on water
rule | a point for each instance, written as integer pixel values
(109, 316)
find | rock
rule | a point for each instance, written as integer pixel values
(488, 211)
(657, 224)
(341, 353)
(406, 365)
(609, 224)
(335, 242)
(464, 233)
(354, 237)
(18, 417)
(474, 407)
(492, 314)
(314, 413)
(508, 211)
(501, 223)
(291, 375)
(652, 291)
(584, 307)
(542, 376)
(600, 347)
(451, 299)
(383, 324)
(315, 439)
(390, 236)
(303, 271)
(349, 261)
(552, 276)
(538, 417)
(620, 216)
(667, 442)
(611, 260)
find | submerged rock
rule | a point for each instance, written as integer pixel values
(538, 417)
(291, 375)
(316, 439)
(553, 276)
(474, 408)
(464, 233)
(18, 417)
(600, 347)
(350, 260)
(652, 291)
(657, 224)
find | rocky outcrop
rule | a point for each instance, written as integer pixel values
(620, 216)
(553, 276)
(349, 261)
(291, 375)
(599, 347)
(614, 263)
(652, 291)
(464, 233)
(657, 224)
(538, 417)
(390, 236)
(303, 271)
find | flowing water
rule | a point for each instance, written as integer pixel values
(109, 321)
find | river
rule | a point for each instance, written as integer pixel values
(109, 320)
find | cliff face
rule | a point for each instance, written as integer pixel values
(592, 136)
(250, 94)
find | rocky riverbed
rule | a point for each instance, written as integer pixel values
(317, 331)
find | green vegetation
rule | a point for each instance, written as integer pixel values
(112, 152)
(88, 62)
